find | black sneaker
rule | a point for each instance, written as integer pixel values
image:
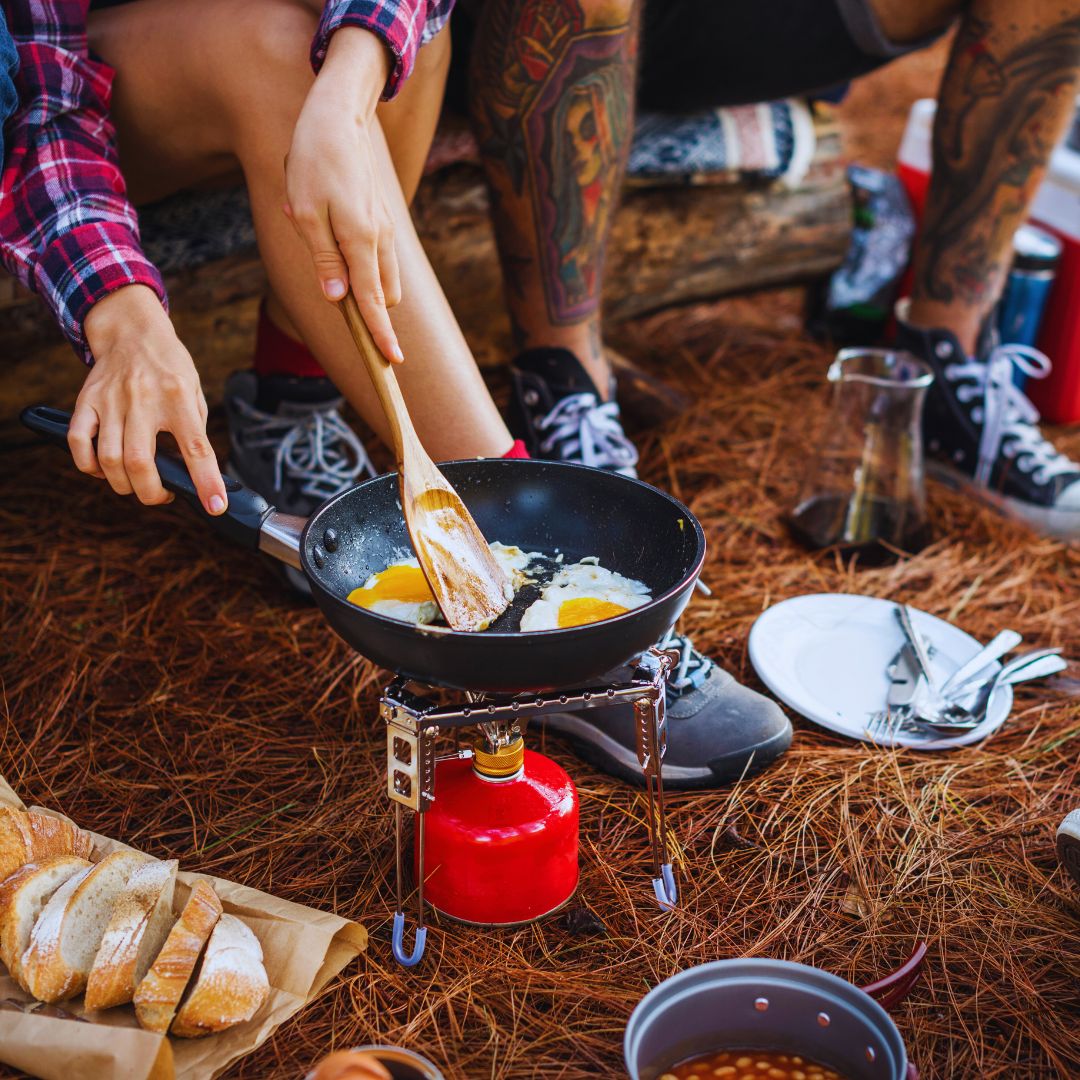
(981, 431)
(555, 409)
(717, 730)
(289, 443)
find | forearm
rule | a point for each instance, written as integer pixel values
(1005, 98)
(401, 25)
(354, 73)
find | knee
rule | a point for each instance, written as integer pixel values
(269, 76)
(279, 35)
(608, 14)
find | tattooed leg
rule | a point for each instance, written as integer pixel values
(551, 97)
(1006, 96)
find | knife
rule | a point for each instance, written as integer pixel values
(904, 678)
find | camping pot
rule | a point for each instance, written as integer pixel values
(764, 1005)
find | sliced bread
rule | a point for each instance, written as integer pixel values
(28, 837)
(140, 922)
(230, 985)
(22, 897)
(158, 995)
(67, 935)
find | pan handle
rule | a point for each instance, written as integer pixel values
(246, 518)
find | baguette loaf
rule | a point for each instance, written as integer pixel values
(29, 837)
(68, 932)
(231, 983)
(140, 922)
(22, 897)
(158, 995)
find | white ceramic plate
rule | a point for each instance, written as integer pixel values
(825, 656)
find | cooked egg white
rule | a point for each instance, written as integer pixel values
(583, 593)
(514, 562)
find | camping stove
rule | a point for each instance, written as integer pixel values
(502, 842)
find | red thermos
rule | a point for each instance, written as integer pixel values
(501, 837)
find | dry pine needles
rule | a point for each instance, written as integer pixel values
(163, 688)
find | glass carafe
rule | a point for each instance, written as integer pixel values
(863, 492)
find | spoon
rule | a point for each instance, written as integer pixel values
(1024, 669)
(468, 584)
(1003, 642)
(1015, 664)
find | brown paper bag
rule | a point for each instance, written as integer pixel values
(303, 949)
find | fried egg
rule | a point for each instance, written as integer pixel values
(581, 593)
(401, 591)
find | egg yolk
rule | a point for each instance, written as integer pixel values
(587, 609)
(405, 584)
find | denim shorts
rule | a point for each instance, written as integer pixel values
(9, 65)
(699, 54)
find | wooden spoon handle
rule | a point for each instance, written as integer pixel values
(382, 376)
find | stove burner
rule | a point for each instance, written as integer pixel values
(413, 720)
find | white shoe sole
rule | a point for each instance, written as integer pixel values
(1068, 844)
(1046, 520)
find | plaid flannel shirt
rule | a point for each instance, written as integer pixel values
(67, 229)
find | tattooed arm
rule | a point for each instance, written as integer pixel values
(1005, 98)
(552, 102)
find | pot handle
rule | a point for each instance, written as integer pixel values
(894, 987)
(244, 517)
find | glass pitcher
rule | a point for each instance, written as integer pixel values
(863, 491)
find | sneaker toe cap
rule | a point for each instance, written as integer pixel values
(732, 728)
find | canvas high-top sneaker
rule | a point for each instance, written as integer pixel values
(556, 410)
(981, 432)
(289, 442)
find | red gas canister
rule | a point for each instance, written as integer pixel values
(501, 837)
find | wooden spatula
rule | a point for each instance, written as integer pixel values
(469, 585)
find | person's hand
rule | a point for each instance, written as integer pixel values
(334, 188)
(143, 381)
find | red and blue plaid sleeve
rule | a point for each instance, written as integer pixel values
(67, 229)
(403, 25)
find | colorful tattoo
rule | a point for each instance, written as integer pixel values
(553, 104)
(994, 132)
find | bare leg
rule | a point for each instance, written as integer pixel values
(552, 88)
(1005, 99)
(221, 83)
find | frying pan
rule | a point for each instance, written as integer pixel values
(552, 507)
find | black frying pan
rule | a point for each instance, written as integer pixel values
(635, 530)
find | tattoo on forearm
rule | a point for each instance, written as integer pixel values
(553, 107)
(997, 120)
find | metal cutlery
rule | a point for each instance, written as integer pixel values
(1003, 642)
(917, 703)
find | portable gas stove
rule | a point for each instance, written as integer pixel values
(525, 833)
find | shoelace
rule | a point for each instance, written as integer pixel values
(585, 429)
(691, 670)
(1008, 418)
(317, 450)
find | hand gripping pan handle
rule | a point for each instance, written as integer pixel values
(249, 520)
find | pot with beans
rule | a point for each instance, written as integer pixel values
(765, 1019)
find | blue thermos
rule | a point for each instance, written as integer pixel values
(1036, 254)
